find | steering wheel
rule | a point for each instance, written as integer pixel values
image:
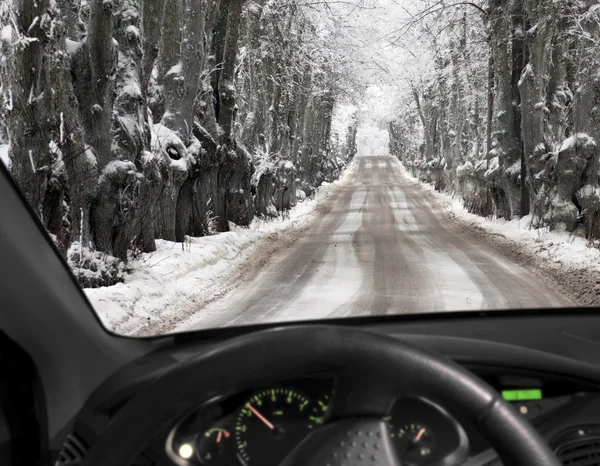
(371, 371)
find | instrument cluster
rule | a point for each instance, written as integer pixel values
(263, 426)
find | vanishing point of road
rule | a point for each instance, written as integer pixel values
(379, 250)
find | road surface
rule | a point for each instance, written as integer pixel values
(379, 250)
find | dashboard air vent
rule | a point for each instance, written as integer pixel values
(73, 451)
(579, 447)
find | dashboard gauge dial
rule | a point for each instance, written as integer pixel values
(212, 444)
(270, 425)
(423, 433)
(319, 410)
(415, 443)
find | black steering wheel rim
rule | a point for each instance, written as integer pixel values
(391, 367)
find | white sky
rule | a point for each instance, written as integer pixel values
(383, 68)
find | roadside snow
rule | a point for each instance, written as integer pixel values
(4, 157)
(560, 257)
(166, 286)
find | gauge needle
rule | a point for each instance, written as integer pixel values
(260, 416)
(219, 436)
(419, 435)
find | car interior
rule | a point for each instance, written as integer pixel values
(467, 388)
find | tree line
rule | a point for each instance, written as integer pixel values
(506, 112)
(133, 120)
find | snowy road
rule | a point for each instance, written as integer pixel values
(379, 250)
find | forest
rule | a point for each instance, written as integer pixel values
(505, 111)
(129, 121)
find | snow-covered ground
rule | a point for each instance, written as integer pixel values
(380, 250)
(565, 259)
(166, 286)
(4, 158)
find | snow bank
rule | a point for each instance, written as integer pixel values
(164, 287)
(565, 259)
(4, 157)
(92, 267)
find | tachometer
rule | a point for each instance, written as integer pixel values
(270, 425)
(319, 410)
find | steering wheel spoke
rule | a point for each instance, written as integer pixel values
(357, 441)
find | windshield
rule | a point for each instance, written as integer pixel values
(215, 163)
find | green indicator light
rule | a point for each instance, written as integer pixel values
(522, 395)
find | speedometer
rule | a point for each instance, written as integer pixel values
(270, 425)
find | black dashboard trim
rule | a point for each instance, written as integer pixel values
(369, 321)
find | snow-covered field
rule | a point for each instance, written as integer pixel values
(168, 285)
(563, 258)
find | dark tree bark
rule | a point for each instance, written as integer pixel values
(170, 44)
(101, 52)
(153, 12)
(490, 106)
(518, 63)
(541, 19)
(506, 148)
(302, 112)
(217, 50)
(182, 81)
(226, 80)
(578, 159)
(49, 158)
(205, 105)
(28, 133)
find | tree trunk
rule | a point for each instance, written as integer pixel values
(578, 160)
(506, 148)
(135, 218)
(29, 137)
(182, 81)
(50, 161)
(302, 110)
(227, 78)
(518, 63)
(490, 105)
(170, 48)
(102, 59)
(541, 20)
(559, 95)
(153, 12)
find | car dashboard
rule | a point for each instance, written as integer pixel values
(545, 364)
(262, 426)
